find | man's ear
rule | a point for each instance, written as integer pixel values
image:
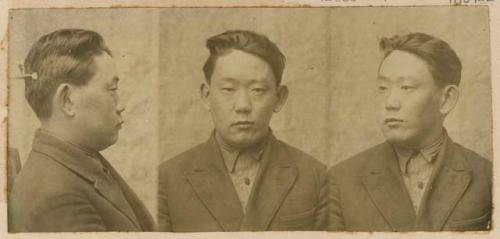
(205, 94)
(449, 98)
(63, 100)
(282, 97)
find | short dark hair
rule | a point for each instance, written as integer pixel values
(443, 62)
(249, 42)
(63, 56)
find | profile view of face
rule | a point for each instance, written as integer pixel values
(97, 106)
(242, 97)
(411, 100)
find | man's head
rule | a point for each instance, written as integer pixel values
(418, 79)
(76, 87)
(243, 85)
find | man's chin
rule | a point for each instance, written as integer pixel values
(395, 138)
(112, 140)
(244, 142)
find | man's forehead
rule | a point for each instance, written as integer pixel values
(401, 78)
(400, 65)
(263, 80)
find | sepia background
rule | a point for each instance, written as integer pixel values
(332, 59)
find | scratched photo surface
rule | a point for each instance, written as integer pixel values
(332, 60)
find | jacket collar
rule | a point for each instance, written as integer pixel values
(276, 177)
(384, 183)
(210, 180)
(82, 162)
(448, 183)
(90, 166)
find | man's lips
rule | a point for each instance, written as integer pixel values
(392, 121)
(242, 123)
(119, 125)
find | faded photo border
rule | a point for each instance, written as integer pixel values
(6, 6)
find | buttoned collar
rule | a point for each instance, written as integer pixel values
(232, 155)
(428, 153)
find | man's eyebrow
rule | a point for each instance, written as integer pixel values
(259, 80)
(228, 79)
(383, 78)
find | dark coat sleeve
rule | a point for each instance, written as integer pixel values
(65, 213)
(164, 224)
(322, 207)
(335, 217)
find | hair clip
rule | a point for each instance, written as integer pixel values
(33, 76)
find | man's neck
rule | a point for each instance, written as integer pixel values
(65, 135)
(231, 148)
(429, 141)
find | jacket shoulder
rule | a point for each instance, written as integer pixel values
(182, 160)
(354, 164)
(477, 162)
(42, 175)
(301, 158)
(42, 185)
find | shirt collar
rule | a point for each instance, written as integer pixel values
(89, 152)
(77, 158)
(232, 155)
(429, 152)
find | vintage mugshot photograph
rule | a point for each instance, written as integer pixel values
(176, 120)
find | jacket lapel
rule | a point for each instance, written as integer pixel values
(213, 186)
(276, 176)
(108, 189)
(140, 212)
(384, 183)
(448, 183)
(85, 165)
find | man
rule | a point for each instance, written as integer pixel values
(242, 178)
(419, 179)
(65, 184)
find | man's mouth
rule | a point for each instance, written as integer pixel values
(242, 124)
(119, 125)
(392, 121)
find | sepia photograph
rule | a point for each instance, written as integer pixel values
(250, 119)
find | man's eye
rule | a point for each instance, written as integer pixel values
(382, 88)
(407, 87)
(227, 89)
(258, 90)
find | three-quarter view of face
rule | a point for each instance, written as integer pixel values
(242, 96)
(410, 100)
(97, 106)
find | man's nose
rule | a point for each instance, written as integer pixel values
(243, 103)
(120, 109)
(392, 101)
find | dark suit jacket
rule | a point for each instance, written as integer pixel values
(196, 193)
(63, 189)
(367, 193)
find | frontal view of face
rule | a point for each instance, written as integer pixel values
(242, 97)
(411, 100)
(97, 106)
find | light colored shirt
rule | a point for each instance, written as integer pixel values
(417, 166)
(242, 166)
